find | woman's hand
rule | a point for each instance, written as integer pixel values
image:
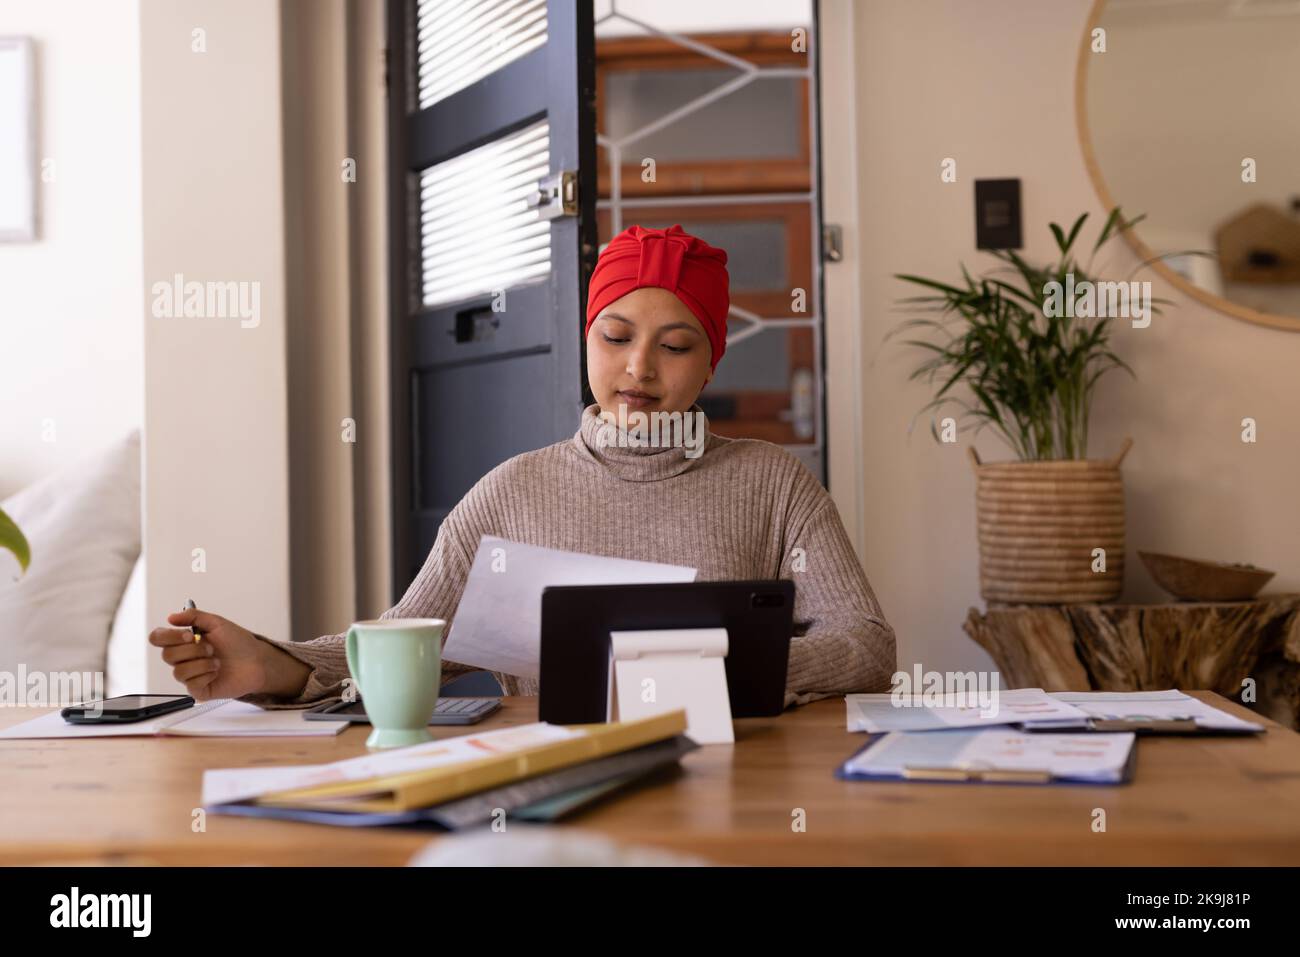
(228, 661)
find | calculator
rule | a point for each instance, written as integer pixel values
(447, 711)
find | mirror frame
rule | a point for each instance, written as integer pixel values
(1145, 252)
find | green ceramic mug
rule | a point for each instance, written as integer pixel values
(397, 664)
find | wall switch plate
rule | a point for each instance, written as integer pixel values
(997, 214)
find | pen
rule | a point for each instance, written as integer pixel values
(1033, 775)
(190, 606)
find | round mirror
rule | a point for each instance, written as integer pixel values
(1187, 115)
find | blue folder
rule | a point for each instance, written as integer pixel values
(935, 754)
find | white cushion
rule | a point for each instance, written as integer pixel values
(83, 525)
(128, 642)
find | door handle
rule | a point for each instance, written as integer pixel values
(556, 195)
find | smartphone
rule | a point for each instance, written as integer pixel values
(126, 708)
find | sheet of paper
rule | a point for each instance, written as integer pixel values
(1139, 705)
(52, 725)
(219, 718)
(498, 624)
(239, 719)
(1097, 758)
(226, 785)
(875, 713)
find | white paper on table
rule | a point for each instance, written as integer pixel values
(875, 713)
(498, 624)
(1098, 758)
(219, 718)
(225, 785)
(1139, 705)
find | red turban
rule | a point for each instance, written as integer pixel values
(673, 259)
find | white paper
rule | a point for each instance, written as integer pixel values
(1138, 705)
(224, 785)
(875, 713)
(1097, 758)
(239, 719)
(498, 624)
(219, 718)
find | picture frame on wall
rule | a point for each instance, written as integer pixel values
(17, 140)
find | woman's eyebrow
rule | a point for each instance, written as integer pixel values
(670, 326)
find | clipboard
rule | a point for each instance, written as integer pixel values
(977, 775)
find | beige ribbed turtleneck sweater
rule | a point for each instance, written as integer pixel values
(742, 509)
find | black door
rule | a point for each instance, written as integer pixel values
(492, 188)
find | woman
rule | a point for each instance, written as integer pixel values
(731, 508)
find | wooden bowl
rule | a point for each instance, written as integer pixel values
(1197, 580)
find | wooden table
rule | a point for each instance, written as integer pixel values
(1207, 801)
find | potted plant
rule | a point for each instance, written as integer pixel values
(1011, 351)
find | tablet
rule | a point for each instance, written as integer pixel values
(577, 620)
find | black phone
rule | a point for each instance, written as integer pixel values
(126, 708)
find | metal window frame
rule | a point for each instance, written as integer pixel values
(748, 73)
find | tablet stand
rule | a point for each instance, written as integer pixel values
(665, 669)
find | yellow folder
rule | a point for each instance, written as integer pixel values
(431, 786)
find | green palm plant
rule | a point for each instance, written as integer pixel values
(12, 538)
(1030, 375)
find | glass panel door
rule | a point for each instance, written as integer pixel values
(707, 118)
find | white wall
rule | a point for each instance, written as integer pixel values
(991, 84)
(216, 434)
(837, 72)
(71, 333)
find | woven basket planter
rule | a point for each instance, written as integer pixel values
(1038, 524)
